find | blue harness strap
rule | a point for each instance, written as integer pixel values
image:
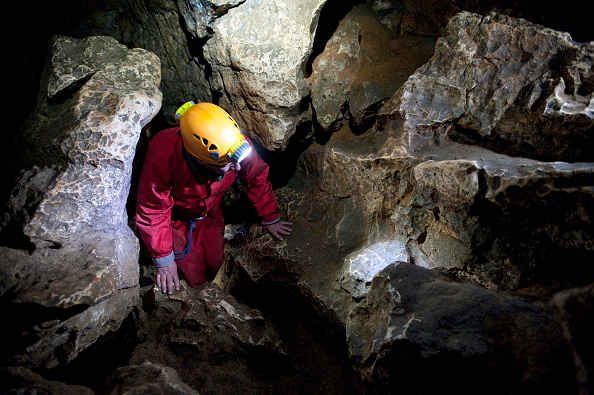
(186, 251)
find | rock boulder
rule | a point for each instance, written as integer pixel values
(70, 262)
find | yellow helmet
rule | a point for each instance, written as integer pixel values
(210, 134)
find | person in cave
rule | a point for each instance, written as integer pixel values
(186, 171)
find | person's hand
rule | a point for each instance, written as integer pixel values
(167, 278)
(279, 229)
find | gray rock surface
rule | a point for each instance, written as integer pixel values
(257, 66)
(209, 338)
(444, 174)
(146, 378)
(79, 279)
(498, 81)
(413, 314)
(20, 380)
(333, 71)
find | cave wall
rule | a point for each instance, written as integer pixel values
(436, 167)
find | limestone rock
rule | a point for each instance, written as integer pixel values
(20, 380)
(507, 85)
(207, 335)
(493, 216)
(146, 378)
(365, 99)
(414, 315)
(257, 66)
(119, 96)
(361, 67)
(333, 71)
(79, 277)
(199, 15)
(167, 28)
(575, 310)
(362, 265)
(490, 181)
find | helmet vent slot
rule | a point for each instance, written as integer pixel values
(212, 147)
(234, 123)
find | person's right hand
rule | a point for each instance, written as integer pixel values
(167, 278)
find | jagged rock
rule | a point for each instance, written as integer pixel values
(199, 15)
(365, 99)
(207, 335)
(167, 28)
(20, 380)
(508, 85)
(333, 71)
(79, 278)
(361, 67)
(491, 188)
(361, 266)
(575, 310)
(146, 378)
(433, 104)
(498, 221)
(260, 76)
(413, 315)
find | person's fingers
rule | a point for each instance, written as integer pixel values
(176, 281)
(275, 234)
(285, 230)
(162, 282)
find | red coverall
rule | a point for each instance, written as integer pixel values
(169, 189)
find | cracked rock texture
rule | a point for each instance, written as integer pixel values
(439, 177)
(77, 279)
(481, 180)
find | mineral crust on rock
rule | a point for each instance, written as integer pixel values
(79, 278)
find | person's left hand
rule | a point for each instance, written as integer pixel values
(279, 229)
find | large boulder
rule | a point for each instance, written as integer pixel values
(333, 71)
(258, 65)
(146, 378)
(70, 260)
(362, 65)
(413, 317)
(209, 337)
(476, 167)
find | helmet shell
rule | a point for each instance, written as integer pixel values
(209, 133)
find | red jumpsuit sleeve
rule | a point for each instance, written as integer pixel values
(154, 200)
(254, 175)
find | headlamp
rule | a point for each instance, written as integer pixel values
(239, 151)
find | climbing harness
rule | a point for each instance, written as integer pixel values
(191, 226)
